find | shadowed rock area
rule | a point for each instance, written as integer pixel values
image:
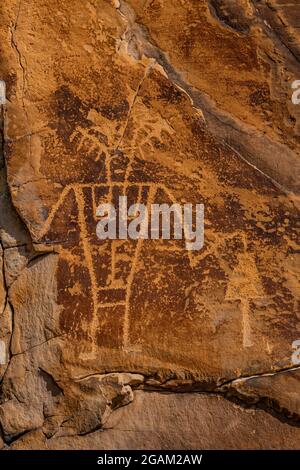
(114, 344)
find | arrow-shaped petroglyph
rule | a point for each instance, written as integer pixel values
(245, 285)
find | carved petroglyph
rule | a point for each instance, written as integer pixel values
(111, 285)
(115, 284)
(245, 285)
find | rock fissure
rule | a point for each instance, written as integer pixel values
(111, 341)
(144, 44)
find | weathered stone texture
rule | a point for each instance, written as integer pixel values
(161, 101)
(175, 421)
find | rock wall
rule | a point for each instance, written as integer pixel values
(141, 343)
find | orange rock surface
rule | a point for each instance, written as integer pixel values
(163, 102)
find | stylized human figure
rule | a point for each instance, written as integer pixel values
(109, 265)
(240, 288)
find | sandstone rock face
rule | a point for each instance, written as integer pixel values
(278, 390)
(177, 421)
(161, 102)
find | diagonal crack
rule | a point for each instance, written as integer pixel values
(262, 374)
(13, 30)
(22, 65)
(228, 130)
(147, 70)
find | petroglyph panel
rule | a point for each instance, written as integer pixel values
(105, 122)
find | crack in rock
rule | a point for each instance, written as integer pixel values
(242, 138)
